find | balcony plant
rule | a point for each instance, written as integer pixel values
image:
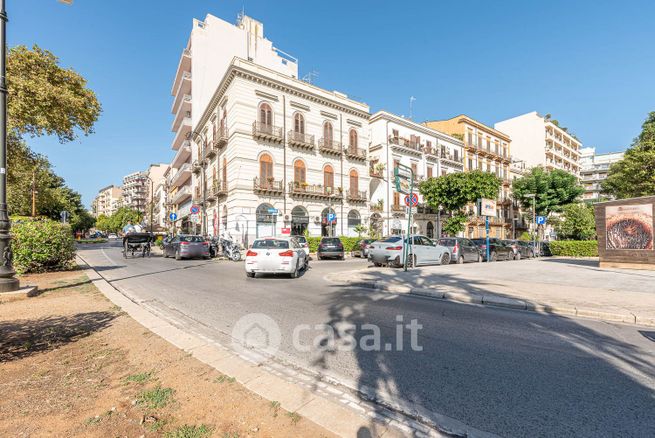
(379, 168)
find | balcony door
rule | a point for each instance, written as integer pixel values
(266, 170)
(328, 179)
(265, 117)
(354, 182)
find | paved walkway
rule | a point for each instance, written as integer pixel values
(574, 287)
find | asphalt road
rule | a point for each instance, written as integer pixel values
(506, 372)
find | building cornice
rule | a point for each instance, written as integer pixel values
(463, 118)
(251, 72)
(384, 115)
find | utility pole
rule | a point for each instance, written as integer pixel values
(8, 282)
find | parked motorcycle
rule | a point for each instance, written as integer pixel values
(229, 248)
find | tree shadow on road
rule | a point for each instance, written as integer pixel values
(23, 338)
(501, 371)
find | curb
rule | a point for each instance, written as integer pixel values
(504, 302)
(335, 417)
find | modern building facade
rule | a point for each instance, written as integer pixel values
(135, 191)
(280, 156)
(488, 150)
(594, 169)
(429, 153)
(212, 45)
(108, 200)
(541, 141)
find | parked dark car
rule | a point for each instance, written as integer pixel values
(544, 249)
(522, 249)
(462, 249)
(330, 247)
(498, 250)
(186, 246)
(361, 248)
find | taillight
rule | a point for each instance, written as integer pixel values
(456, 248)
(483, 246)
(184, 243)
(205, 243)
(251, 253)
(394, 248)
(286, 254)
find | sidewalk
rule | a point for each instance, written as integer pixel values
(569, 287)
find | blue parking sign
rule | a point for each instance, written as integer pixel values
(541, 220)
(331, 217)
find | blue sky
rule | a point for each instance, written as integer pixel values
(591, 64)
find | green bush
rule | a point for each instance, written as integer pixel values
(574, 248)
(348, 243)
(42, 245)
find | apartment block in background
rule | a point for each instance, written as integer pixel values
(541, 141)
(594, 169)
(211, 47)
(134, 191)
(486, 149)
(396, 140)
(108, 200)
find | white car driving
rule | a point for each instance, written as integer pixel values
(276, 255)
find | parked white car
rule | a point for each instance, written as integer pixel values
(302, 241)
(276, 255)
(422, 251)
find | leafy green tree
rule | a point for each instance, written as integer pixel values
(122, 216)
(634, 175)
(360, 229)
(47, 99)
(577, 222)
(553, 189)
(454, 191)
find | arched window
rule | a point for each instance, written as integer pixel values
(265, 221)
(265, 115)
(328, 178)
(430, 230)
(354, 182)
(353, 139)
(266, 170)
(298, 123)
(328, 133)
(299, 172)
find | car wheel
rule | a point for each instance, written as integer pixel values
(250, 274)
(517, 256)
(306, 264)
(177, 255)
(343, 257)
(294, 274)
(460, 260)
(318, 257)
(445, 258)
(396, 262)
(376, 264)
(493, 256)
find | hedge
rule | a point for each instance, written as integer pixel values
(574, 248)
(348, 243)
(42, 245)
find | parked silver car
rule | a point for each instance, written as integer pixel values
(186, 247)
(462, 249)
(422, 251)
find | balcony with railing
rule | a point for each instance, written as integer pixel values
(182, 194)
(314, 191)
(402, 144)
(220, 137)
(268, 186)
(454, 159)
(181, 175)
(184, 66)
(198, 197)
(355, 153)
(218, 188)
(397, 208)
(267, 132)
(356, 196)
(181, 109)
(184, 84)
(182, 155)
(182, 133)
(329, 146)
(375, 172)
(301, 140)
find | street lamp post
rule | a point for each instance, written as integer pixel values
(8, 282)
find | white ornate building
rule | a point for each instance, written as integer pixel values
(429, 153)
(276, 155)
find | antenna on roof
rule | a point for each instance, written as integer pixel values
(411, 106)
(309, 77)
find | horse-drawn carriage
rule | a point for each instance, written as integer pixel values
(137, 243)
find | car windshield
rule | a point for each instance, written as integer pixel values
(481, 241)
(194, 239)
(300, 239)
(271, 244)
(331, 241)
(392, 239)
(447, 242)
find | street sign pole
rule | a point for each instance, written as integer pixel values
(408, 247)
(486, 226)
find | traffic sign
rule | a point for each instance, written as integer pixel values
(414, 200)
(194, 209)
(272, 211)
(403, 178)
(172, 216)
(487, 207)
(331, 217)
(541, 220)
